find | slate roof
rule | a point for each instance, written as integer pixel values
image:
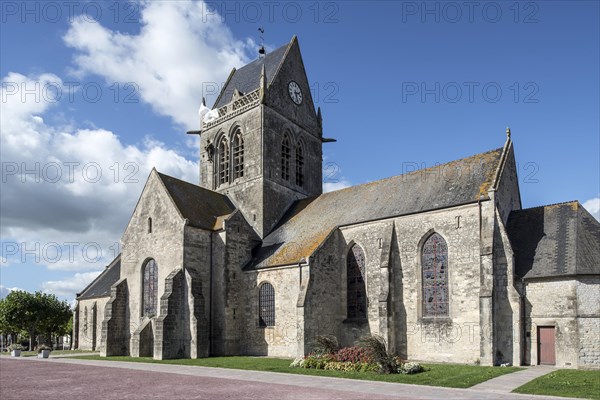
(201, 207)
(555, 240)
(308, 222)
(100, 287)
(247, 78)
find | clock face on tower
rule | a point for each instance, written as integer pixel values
(295, 92)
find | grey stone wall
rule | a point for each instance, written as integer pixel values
(282, 339)
(172, 338)
(232, 251)
(165, 244)
(508, 329)
(588, 321)
(322, 305)
(115, 326)
(553, 302)
(142, 340)
(246, 192)
(198, 256)
(196, 309)
(393, 280)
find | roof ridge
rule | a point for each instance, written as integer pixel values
(101, 274)
(548, 205)
(414, 172)
(161, 175)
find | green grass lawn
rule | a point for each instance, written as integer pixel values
(565, 382)
(447, 375)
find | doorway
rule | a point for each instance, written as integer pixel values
(546, 345)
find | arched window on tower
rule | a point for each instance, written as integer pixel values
(223, 161)
(149, 225)
(286, 154)
(300, 164)
(434, 265)
(266, 305)
(238, 155)
(149, 288)
(355, 283)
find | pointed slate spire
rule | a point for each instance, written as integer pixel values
(319, 117)
(263, 84)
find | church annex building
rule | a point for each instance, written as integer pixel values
(443, 263)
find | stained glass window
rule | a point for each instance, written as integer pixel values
(150, 288)
(356, 293)
(223, 162)
(85, 321)
(434, 263)
(266, 305)
(286, 153)
(299, 165)
(238, 155)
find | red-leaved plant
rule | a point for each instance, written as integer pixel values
(355, 354)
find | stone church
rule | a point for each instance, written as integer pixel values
(443, 263)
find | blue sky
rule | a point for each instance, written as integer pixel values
(111, 88)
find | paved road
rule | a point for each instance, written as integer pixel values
(60, 378)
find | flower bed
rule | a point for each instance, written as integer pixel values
(364, 358)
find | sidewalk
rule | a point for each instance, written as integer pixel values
(509, 382)
(370, 388)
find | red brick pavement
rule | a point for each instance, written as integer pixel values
(33, 379)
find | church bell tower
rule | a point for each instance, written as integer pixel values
(261, 143)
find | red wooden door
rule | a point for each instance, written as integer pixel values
(546, 345)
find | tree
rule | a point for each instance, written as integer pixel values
(55, 314)
(35, 313)
(20, 311)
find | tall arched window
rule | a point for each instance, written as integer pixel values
(266, 305)
(300, 165)
(223, 161)
(85, 322)
(434, 264)
(238, 155)
(286, 154)
(149, 288)
(356, 290)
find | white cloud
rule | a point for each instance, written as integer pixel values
(65, 200)
(337, 185)
(179, 49)
(68, 288)
(4, 291)
(593, 206)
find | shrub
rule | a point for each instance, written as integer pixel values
(326, 345)
(43, 347)
(351, 366)
(298, 362)
(317, 361)
(376, 345)
(410, 368)
(15, 346)
(355, 354)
